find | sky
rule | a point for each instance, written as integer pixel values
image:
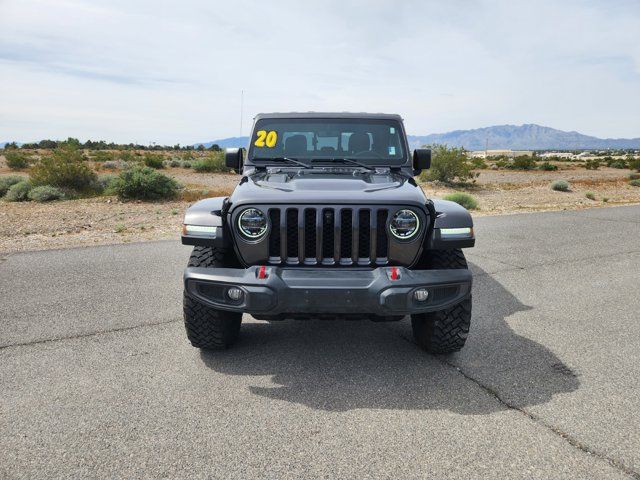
(173, 72)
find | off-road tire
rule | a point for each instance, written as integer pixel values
(206, 327)
(444, 331)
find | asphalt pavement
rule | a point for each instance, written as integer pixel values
(97, 378)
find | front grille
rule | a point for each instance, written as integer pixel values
(328, 236)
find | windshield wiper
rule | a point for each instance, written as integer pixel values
(344, 160)
(284, 160)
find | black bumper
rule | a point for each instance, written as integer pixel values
(328, 291)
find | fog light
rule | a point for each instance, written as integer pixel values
(421, 295)
(234, 293)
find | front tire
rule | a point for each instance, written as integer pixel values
(209, 328)
(444, 331)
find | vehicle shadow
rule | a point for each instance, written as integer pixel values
(338, 366)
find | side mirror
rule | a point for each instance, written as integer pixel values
(421, 160)
(233, 158)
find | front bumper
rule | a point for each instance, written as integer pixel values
(337, 292)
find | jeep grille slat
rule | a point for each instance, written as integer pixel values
(328, 236)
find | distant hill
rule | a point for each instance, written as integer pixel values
(231, 142)
(521, 137)
(514, 137)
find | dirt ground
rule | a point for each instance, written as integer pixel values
(105, 220)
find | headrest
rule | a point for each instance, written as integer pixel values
(359, 142)
(295, 145)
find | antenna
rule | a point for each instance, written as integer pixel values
(241, 108)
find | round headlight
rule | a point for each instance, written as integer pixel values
(252, 223)
(404, 224)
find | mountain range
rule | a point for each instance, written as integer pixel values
(515, 137)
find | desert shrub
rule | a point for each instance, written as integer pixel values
(615, 162)
(479, 163)
(634, 183)
(605, 199)
(560, 186)
(144, 183)
(634, 164)
(448, 164)
(186, 164)
(19, 192)
(523, 162)
(175, 163)
(7, 181)
(502, 163)
(464, 199)
(549, 167)
(592, 164)
(65, 168)
(590, 195)
(634, 176)
(111, 165)
(126, 156)
(153, 160)
(211, 163)
(102, 156)
(45, 193)
(104, 182)
(17, 160)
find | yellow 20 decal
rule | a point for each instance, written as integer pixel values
(266, 139)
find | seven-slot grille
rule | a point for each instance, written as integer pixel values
(328, 236)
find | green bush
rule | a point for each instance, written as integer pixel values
(523, 162)
(479, 163)
(464, 199)
(17, 160)
(634, 176)
(144, 183)
(549, 167)
(211, 163)
(102, 156)
(560, 186)
(65, 168)
(153, 160)
(448, 164)
(19, 192)
(7, 181)
(104, 183)
(635, 183)
(615, 162)
(126, 156)
(45, 193)
(590, 195)
(634, 164)
(592, 164)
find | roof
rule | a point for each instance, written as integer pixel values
(381, 116)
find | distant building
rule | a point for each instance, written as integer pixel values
(557, 154)
(499, 153)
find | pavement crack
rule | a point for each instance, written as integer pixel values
(85, 335)
(567, 437)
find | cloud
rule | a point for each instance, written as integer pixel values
(172, 72)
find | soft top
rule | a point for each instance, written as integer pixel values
(388, 116)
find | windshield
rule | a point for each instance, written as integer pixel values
(373, 142)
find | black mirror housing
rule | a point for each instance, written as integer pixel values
(233, 159)
(421, 160)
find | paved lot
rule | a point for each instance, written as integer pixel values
(97, 378)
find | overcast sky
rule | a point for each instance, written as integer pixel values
(172, 71)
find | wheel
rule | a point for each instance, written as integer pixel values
(206, 327)
(444, 331)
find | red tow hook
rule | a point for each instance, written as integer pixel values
(395, 273)
(262, 273)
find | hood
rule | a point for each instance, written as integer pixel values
(327, 186)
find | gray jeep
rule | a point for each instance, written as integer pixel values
(327, 221)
